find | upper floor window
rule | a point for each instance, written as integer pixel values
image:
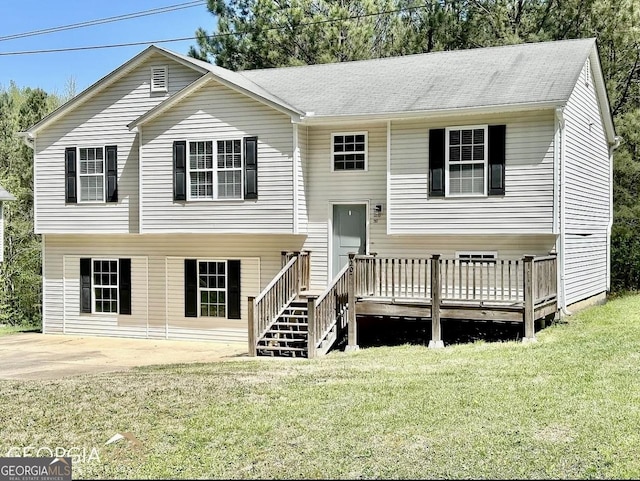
(215, 179)
(91, 174)
(467, 161)
(466, 157)
(349, 151)
(159, 79)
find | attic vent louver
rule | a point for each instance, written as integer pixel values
(587, 73)
(159, 80)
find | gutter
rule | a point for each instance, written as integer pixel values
(612, 147)
(28, 138)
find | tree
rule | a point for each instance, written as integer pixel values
(20, 273)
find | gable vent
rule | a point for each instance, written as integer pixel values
(159, 80)
(587, 73)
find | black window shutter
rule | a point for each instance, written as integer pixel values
(125, 286)
(436, 162)
(190, 288)
(233, 289)
(85, 285)
(180, 170)
(112, 173)
(497, 135)
(251, 167)
(71, 196)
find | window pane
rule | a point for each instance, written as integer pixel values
(478, 136)
(454, 137)
(478, 152)
(454, 154)
(467, 137)
(230, 184)
(466, 152)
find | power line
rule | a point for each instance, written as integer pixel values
(217, 35)
(100, 21)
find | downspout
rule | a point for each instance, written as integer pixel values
(561, 138)
(612, 148)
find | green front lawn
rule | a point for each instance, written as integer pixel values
(566, 407)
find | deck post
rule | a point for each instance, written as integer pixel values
(253, 341)
(436, 330)
(312, 341)
(529, 321)
(352, 344)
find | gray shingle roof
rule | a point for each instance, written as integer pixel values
(529, 73)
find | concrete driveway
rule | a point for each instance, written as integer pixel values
(52, 356)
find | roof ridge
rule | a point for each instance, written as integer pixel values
(432, 53)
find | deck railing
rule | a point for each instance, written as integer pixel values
(544, 275)
(327, 309)
(499, 280)
(269, 305)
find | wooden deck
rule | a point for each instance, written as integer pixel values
(436, 288)
(432, 288)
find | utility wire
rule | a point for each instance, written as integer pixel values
(100, 21)
(217, 35)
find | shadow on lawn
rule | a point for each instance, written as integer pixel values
(374, 331)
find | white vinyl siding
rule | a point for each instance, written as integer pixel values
(328, 187)
(587, 177)
(217, 112)
(526, 207)
(157, 282)
(101, 120)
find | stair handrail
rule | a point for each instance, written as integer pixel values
(329, 306)
(265, 309)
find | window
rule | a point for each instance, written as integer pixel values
(466, 158)
(219, 180)
(105, 285)
(212, 288)
(91, 174)
(212, 282)
(482, 257)
(349, 151)
(159, 82)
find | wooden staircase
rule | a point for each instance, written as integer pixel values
(286, 320)
(288, 336)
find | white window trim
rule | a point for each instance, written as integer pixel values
(215, 169)
(79, 175)
(226, 288)
(485, 163)
(166, 79)
(94, 286)
(366, 151)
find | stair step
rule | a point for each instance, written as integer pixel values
(290, 324)
(280, 348)
(284, 331)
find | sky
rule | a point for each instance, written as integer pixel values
(53, 71)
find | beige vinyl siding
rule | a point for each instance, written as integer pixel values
(100, 121)
(587, 184)
(157, 282)
(526, 207)
(216, 112)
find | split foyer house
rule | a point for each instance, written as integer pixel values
(177, 199)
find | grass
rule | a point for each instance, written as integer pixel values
(6, 329)
(567, 407)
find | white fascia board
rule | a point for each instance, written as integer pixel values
(199, 83)
(603, 97)
(432, 114)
